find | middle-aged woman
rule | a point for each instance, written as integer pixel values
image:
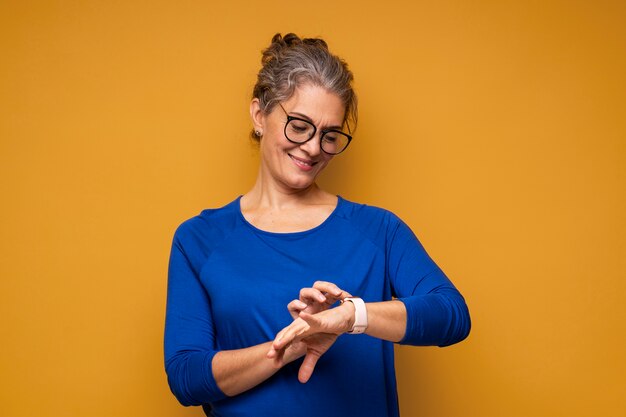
(286, 301)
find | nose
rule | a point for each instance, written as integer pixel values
(313, 146)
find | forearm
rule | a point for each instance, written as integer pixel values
(386, 320)
(436, 319)
(236, 371)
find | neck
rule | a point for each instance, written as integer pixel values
(269, 194)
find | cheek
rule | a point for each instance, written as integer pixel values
(278, 141)
(271, 143)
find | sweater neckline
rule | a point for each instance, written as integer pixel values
(340, 202)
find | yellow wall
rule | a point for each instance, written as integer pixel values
(496, 129)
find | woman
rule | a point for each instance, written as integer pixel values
(260, 290)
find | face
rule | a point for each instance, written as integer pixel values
(290, 165)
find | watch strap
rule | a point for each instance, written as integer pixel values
(360, 315)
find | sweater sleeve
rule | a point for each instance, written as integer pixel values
(436, 311)
(189, 333)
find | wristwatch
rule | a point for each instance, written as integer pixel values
(360, 315)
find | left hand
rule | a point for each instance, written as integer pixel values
(317, 332)
(319, 297)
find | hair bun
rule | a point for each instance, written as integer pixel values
(290, 39)
(280, 42)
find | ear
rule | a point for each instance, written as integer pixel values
(257, 116)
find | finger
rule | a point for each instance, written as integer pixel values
(276, 354)
(312, 295)
(295, 307)
(277, 357)
(272, 353)
(307, 367)
(332, 291)
(328, 288)
(297, 328)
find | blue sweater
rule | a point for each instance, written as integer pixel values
(230, 283)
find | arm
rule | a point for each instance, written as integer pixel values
(239, 370)
(385, 320)
(436, 313)
(197, 372)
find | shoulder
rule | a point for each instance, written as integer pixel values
(367, 214)
(376, 223)
(209, 225)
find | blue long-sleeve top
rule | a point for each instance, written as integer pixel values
(229, 285)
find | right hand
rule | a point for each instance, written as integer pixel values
(315, 333)
(318, 298)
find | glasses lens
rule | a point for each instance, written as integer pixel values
(299, 131)
(334, 142)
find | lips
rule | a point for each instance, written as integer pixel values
(304, 164)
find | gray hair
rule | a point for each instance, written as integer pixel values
(290, 61)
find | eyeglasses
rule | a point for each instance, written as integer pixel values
(300, 131)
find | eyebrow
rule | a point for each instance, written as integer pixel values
(308, 119)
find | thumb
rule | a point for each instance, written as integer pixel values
(308, 366)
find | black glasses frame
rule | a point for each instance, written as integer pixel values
(324, 132)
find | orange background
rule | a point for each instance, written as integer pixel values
(496, 129)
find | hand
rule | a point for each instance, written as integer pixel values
(320, 297)
(314, 332)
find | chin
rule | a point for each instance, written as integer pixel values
(300, 183)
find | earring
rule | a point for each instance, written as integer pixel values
(257, 133)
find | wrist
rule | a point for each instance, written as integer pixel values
(359, 319)
(348, 310)
(294, 351)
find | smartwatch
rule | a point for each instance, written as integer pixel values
(360, 315)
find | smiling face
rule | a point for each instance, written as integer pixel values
(290, 165)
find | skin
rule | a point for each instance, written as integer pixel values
(285, 198)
